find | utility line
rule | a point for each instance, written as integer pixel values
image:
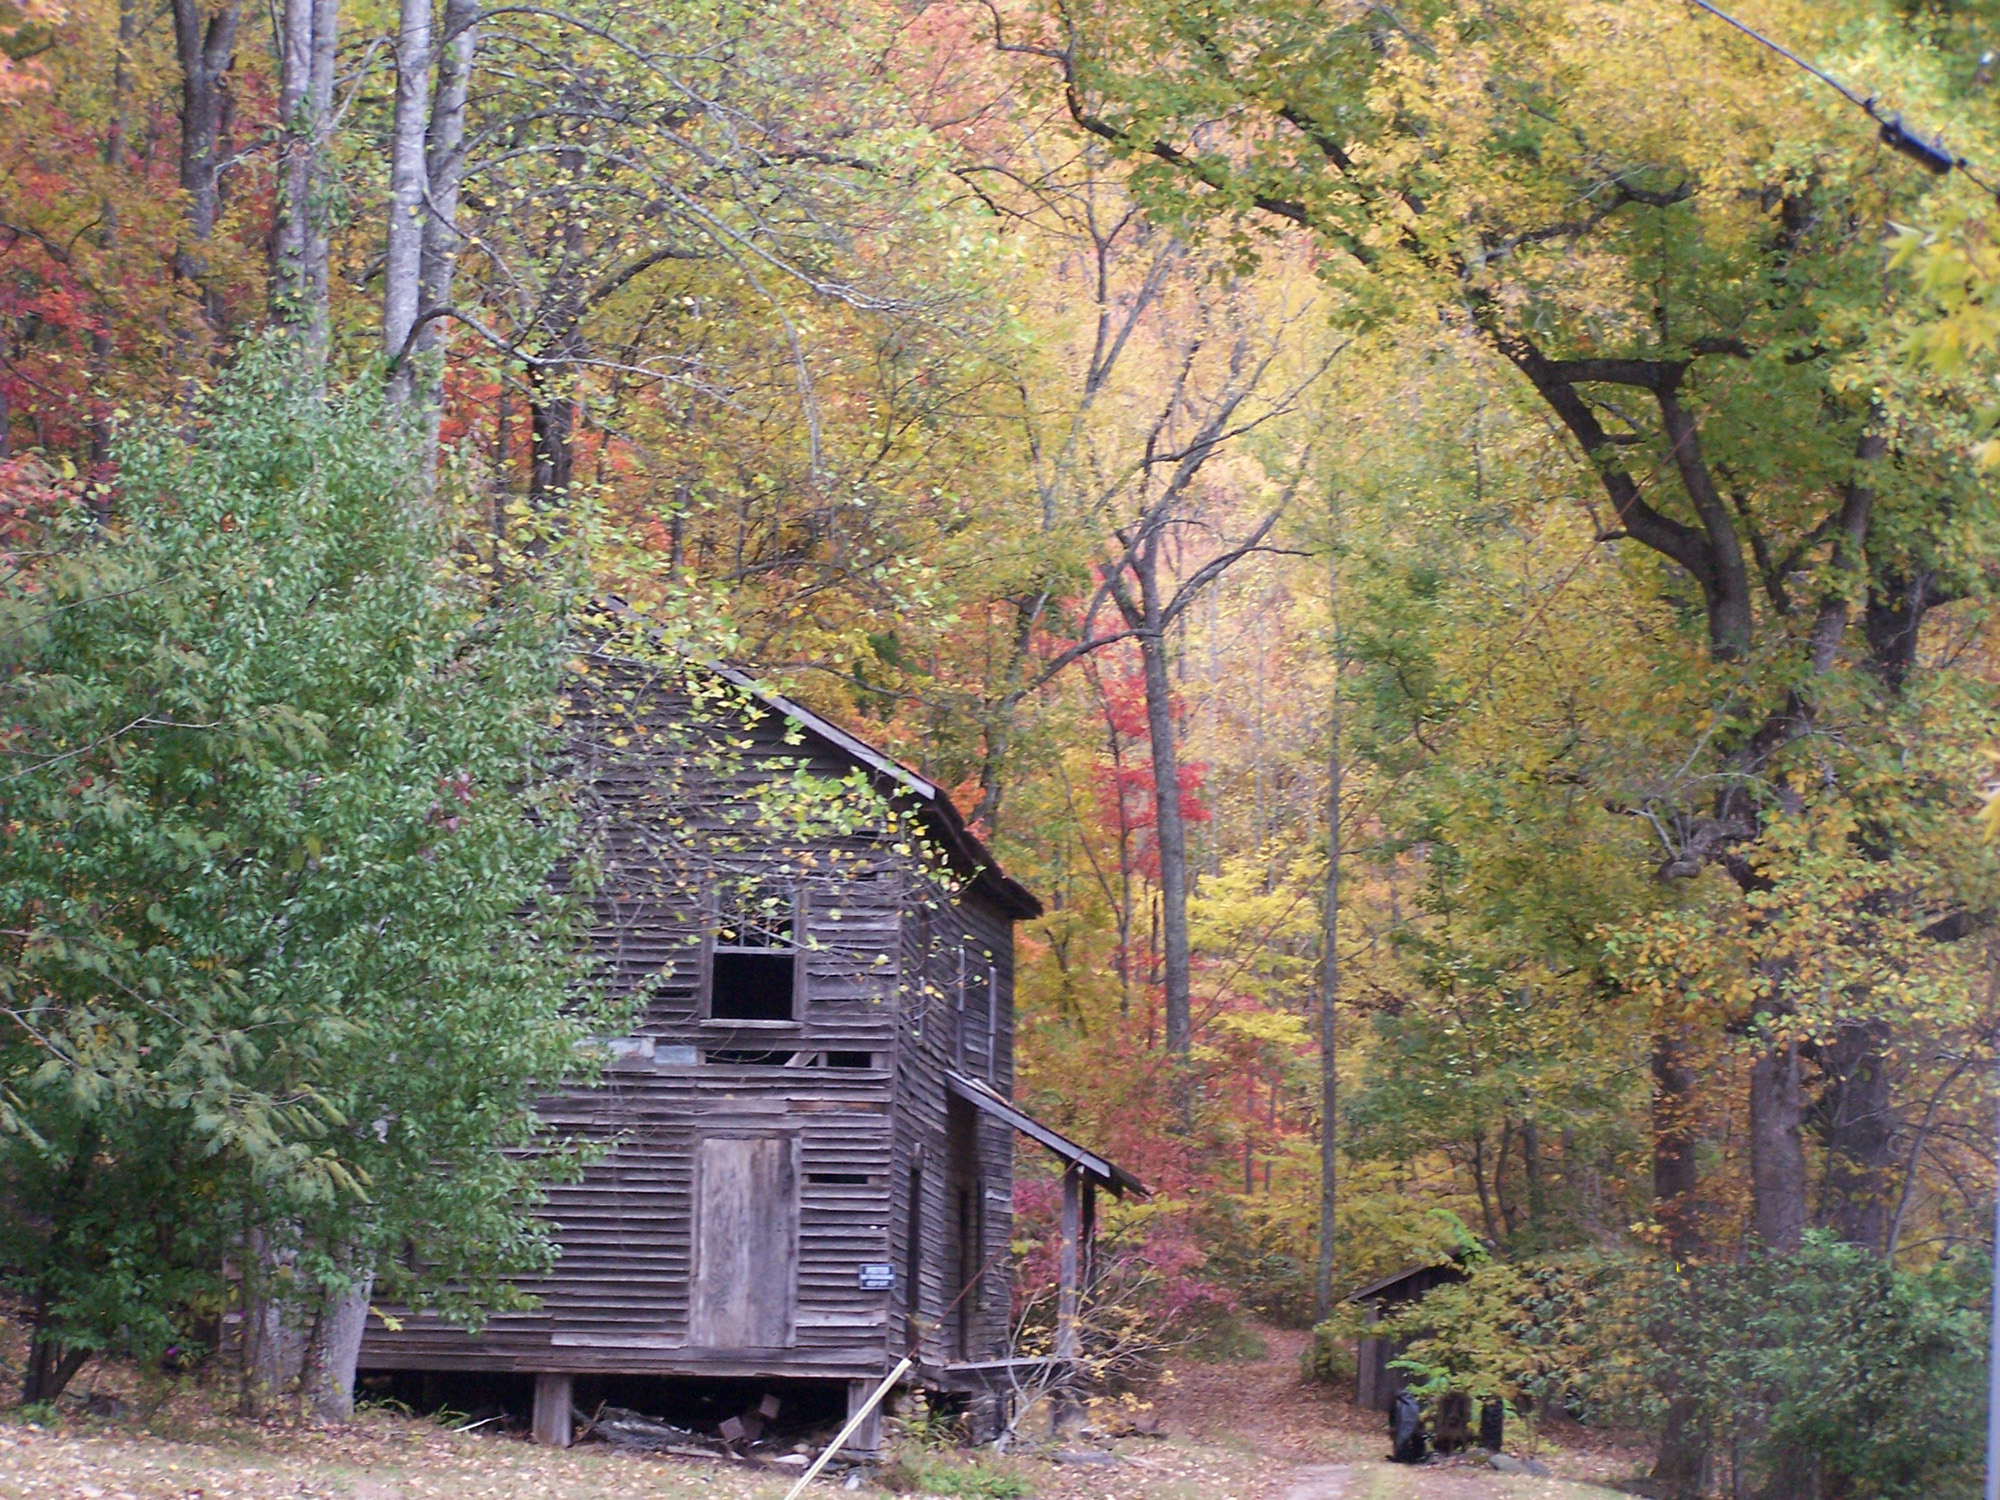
(1933, 155)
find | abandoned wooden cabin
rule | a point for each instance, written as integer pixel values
(807, 1137)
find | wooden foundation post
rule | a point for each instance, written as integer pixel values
(553, 1395)
(1089, 1237)
(866, 1440)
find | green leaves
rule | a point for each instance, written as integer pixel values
(280, 808)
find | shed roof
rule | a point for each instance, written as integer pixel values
(1449, 1270)
(1107, 1172)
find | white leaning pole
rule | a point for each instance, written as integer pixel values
(853, 1425)
(1993, 1363)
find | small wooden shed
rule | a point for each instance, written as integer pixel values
(808, 1136)
(1376, 1386)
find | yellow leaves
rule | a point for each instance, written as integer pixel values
(1276, 1028)
(1989, 810)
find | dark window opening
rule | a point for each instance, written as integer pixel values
(748, 1059)
(839, 1179)
(850, 1059)
(751, 986)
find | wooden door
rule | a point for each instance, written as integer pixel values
(968, 1229)
(746, 1238)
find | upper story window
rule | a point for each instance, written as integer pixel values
(754, 959)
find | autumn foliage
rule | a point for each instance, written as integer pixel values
(1569, 423)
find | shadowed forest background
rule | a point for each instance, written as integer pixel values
(1451, 545)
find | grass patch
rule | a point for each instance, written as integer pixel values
(924, 1473)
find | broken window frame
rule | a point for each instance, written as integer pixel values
(712, 927)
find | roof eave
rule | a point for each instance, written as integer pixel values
(1100, 1168)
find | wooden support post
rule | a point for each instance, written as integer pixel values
(553, 1394)
(1368, 1365)
(866, 1440)
(1063, 1406)
(1072, 1234)
(1089, 1236)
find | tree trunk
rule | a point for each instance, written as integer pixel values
(444, 167)
(206, 46)
(335, 1350)
(1479, 1184)
(51, 1366)
(402, 269)
(294, 178)
(274, 1326)
(1858, 1124)
(552, 418)
(113, 155)
(1531, 1171)
(1777, 1152)
(1674, 1161)
(1683, 1468)
(1170, 830)
(1329, 982)
(308, 39)
(319, 103)
(120, 132)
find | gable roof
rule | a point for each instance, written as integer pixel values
(892, 778)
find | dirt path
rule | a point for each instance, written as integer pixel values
(1262, 1406)
(1321, 1482)
(1370, 1481)
(1315, 1445)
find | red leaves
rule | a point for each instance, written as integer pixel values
(1123, 783)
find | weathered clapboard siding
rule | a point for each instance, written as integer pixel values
(900, 983)
(963, 1160)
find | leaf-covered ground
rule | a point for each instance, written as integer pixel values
(1240, 1430)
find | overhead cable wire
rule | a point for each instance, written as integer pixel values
(1932, 154)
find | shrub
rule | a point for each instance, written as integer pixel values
(1539, 1336)
(1820, 1375)
(927, 1473)
(1830, 1373)
(1330, 1355)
